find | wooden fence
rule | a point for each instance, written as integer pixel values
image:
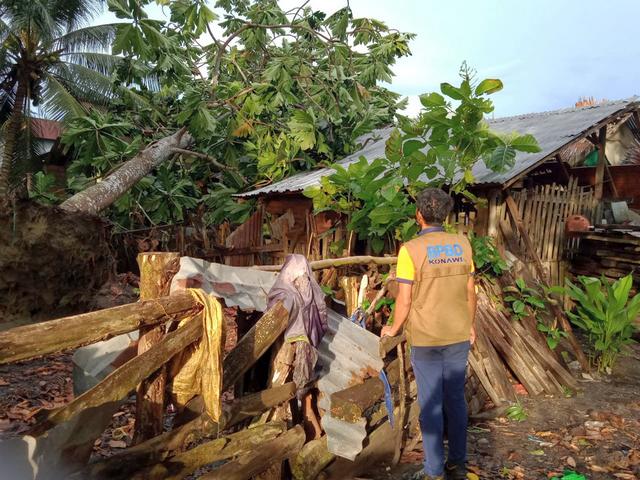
(544, 210)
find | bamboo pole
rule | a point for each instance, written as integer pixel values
(156, 271)
(31, 341)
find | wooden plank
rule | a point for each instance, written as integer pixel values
(31, 341)
(600, 168)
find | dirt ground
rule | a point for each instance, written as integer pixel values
(596, 432)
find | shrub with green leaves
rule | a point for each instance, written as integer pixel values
(606, 312)
(486, 257)
(523, 300)
(439, 148)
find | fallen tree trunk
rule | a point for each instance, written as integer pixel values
(338, 262)
(30, 341)
(101, 195)
(123, 380)
(268, 453)
(158, 449)
(183, 464)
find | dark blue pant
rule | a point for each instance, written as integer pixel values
(440, 375)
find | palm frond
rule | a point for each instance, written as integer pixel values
(96, 38)
(84, 84)
(59, 103)
(104, 63)
(73, 14)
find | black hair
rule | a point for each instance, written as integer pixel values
(434, 205)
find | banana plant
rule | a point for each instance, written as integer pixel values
(607, 313)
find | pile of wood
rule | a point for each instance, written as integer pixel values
(260, 435)
(612, 253)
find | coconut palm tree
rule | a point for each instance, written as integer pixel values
(52, 59)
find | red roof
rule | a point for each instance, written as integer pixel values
(46, 129)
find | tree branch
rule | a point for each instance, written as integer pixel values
(213, 161)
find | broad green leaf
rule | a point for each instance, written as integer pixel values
(432, 100)
(411, 146)
(451, 91)
(501, 159)
(489, 86)
(518, 306)
(525, 143)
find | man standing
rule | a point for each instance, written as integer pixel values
(436, 295)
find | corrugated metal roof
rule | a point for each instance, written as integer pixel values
(347, 354)
(552, 129)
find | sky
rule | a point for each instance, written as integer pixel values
(548, 53)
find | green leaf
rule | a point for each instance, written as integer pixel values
(501, 159)
(393, 146)
(488, 86)
(377, 244)
(303, 129)
(411, 146)
(518, 306)
(525, 143)
(521, 284)
(432, 100)
(451, 91)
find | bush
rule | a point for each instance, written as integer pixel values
(605, 311)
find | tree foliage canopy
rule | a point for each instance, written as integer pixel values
(264, 93)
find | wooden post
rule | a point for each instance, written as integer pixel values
(602, 161)
(156, 271)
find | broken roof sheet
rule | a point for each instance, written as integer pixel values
(553, 130)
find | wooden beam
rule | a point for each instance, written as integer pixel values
(351, 403)
(254, 344)
(338, 262)
(243, 442)
(600, 168)
(255, 462)
(31, 341)
(156, 271)
(515, 215)
(123, 464)
(116, 387)
(563, 168)
(312, 459)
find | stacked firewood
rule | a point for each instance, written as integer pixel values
(611, 253)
